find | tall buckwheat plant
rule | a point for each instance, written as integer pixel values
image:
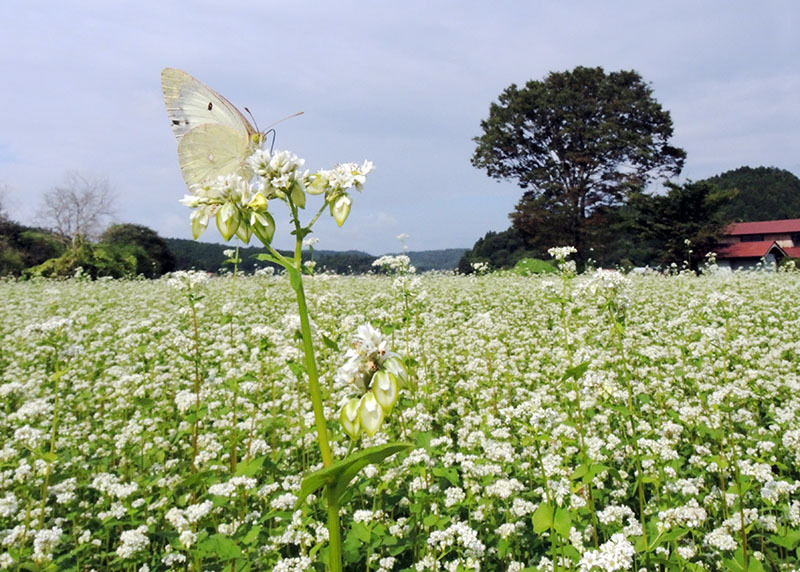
(241, 207)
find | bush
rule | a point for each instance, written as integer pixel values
(531, 266)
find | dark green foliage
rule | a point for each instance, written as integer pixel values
(692, 211)
(499, 249)
(22, 247)
(153, 256)
(577, 142)
(208, 256)
(765, 193)
(94, 261)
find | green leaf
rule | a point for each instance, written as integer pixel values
(543, 518)
(220, 546)
(579, 472)
(329, 343)
(430, 520)
(295, 278)
(252, 534)
(562, 522)
(575, 372)
(449, 473)
(340, 473)
(788, 540)
(249, 469)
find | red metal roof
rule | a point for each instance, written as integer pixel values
(748, 249)
(788, 225)
(792, 251)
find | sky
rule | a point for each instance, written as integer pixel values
(404, 84)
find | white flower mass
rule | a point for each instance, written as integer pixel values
(525, 397)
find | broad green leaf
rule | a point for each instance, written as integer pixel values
(788, 540)
(543, 518)
(575, 372)
(220, 546)
(579, 472)
(430, 520)
(449, 473)
(249, 469)
(562, 522)
(252, 534)
(340, 473)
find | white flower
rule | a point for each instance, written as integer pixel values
(133, 541)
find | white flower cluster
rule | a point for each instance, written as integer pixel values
(239, 201)
(44, 543)
(187, 279)
(229, 488)
(400, 264)
(615, 554)
(689, 516)
(460, 536)
(376, 374)
(561, 253)
(133, 541)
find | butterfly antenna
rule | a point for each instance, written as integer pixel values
(284, 119)
(266, 135)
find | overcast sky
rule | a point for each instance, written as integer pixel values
(404, 84)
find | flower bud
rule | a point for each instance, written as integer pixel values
(370, 413)
(227, 220)
(384, 386)
(263, 226)
(298, 195)
(258, 203)
(199, 221)
(319, 184)
(395, 365)
(349, 418)
(340, 208)
(244, 232)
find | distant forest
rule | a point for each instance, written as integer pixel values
(209, 257)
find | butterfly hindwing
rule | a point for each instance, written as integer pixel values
(211, 150)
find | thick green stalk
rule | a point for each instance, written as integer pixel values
(295, 268)
(313, 376)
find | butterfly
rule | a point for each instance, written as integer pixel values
(214, 138)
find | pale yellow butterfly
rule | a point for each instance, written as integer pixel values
(214, 138)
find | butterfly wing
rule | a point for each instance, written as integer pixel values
(212, 149)
(190, 103)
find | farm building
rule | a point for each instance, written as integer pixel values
(745, 244)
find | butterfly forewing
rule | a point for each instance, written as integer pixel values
(190, 104)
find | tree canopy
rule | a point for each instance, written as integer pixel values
(577, 142)
(153, 256)
(692, 212)
(765, 193)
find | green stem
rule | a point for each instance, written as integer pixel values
(295, 269)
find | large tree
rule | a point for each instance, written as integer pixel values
(578, 142)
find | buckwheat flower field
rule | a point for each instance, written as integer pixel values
(587, 423)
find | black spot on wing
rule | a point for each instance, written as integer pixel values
(210, 105)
